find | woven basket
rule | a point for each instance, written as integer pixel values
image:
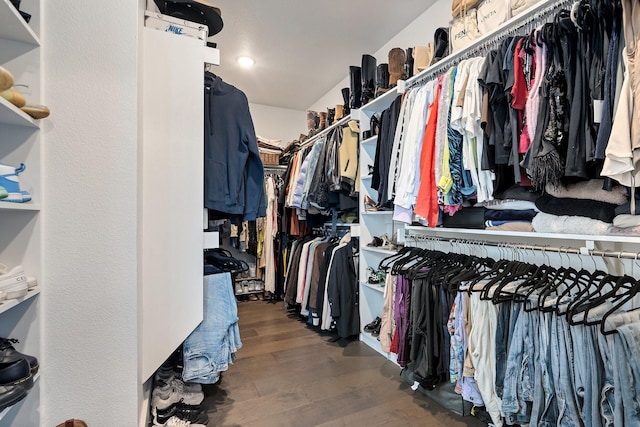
(270, 158)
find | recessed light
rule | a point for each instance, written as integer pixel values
(245, 61)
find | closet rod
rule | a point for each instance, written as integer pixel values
(315, 137)
(537, 14)
(541, 248)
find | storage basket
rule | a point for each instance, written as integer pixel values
(270, 158)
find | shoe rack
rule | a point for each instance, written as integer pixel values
(21, 223)
(372, 223)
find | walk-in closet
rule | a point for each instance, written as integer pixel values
(275, 213)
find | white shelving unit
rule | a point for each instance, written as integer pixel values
(21, 237)
(372, 223)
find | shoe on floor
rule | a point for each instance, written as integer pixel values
(14, 283)
(177, 422)
(10, 181)
(163, 397)
(191, 413)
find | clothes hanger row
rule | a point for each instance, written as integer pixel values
(584, 297)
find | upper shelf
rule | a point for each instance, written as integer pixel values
(13, 27)
(12, 115)
(524, 235)
(382, 102)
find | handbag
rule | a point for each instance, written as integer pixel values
(519, 6)
(492, 13)
(458, 7)
(464, 30)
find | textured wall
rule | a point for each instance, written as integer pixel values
(90, 243)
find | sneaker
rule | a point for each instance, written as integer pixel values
(193, 414)
(238, 288)
(10, 181)
(14, 283)
(3, 193)
(177, 383)
(177, 422)
(163, 397)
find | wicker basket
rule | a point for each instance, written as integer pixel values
(270, 158)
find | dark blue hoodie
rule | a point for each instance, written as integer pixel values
(233, 171)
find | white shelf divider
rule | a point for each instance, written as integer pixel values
(9, 304)
(27, 206)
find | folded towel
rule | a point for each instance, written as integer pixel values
(547, 223)
(513, 226)
(512, 204)
(590, 190)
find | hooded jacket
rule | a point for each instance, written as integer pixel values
(233, 171)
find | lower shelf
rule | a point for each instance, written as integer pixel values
(6, 410)
(373, 342)
(377, 288)
(10, 303)
(250, 292)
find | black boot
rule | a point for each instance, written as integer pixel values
(331, 116)
(355, 75)
(368, 78)
(408, 65)
(441, 44)
(382, 79)
(345, 97)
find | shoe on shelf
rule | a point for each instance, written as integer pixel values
(370, 205)
(3, 296)
(36, 112)
(376, 331)
(8, 354)
(376, 242)
(73, 423)
(11, 394)
(3, 193)
(10, 181)
(239, 288)
(391, 243)
(191, 413)
(14, 283)
(16, 373)
(178, 384)
(6, 79)
(14, 97)
(370, 327)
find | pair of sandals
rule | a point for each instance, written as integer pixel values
(370, 205)
(385, 242)
(376, 277)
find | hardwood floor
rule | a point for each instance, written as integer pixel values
(288, 375)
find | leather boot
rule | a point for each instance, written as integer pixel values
(368, 78)
(312, 125)
(408, 65)
(346, 95)
(355, 75)
(396, 66)
(339, 113)
(422, 56)
(331, 115)
(323, 121)
(440, 44)
(382, 79)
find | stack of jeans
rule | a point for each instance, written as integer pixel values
(212, 346)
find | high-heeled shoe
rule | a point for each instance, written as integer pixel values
(390, 243)
(371, 206)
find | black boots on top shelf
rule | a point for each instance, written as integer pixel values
(368, 71)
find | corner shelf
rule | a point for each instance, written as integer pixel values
(379, 250)
(373, 342)
(12, 115)
(10, 303)
(370, 140)
(376, 288)
(13, 27)
(382, 102)
(28, 206)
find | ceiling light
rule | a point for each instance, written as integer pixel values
(245, 61)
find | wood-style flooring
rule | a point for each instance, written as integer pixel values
(288, 375)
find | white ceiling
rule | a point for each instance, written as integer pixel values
(303, 48)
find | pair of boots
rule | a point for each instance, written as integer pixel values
(367, 82)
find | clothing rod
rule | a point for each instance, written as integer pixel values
(315, 137)
(275, 167)
(537, 14)
(541, 248)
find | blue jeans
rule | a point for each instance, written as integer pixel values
(627, 345)
(520, 372)
(588, 373)
(211, 347)
(544, 412)
(562, 366)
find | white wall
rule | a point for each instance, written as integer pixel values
(89, 367)
(278, 123)
(419, 32)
